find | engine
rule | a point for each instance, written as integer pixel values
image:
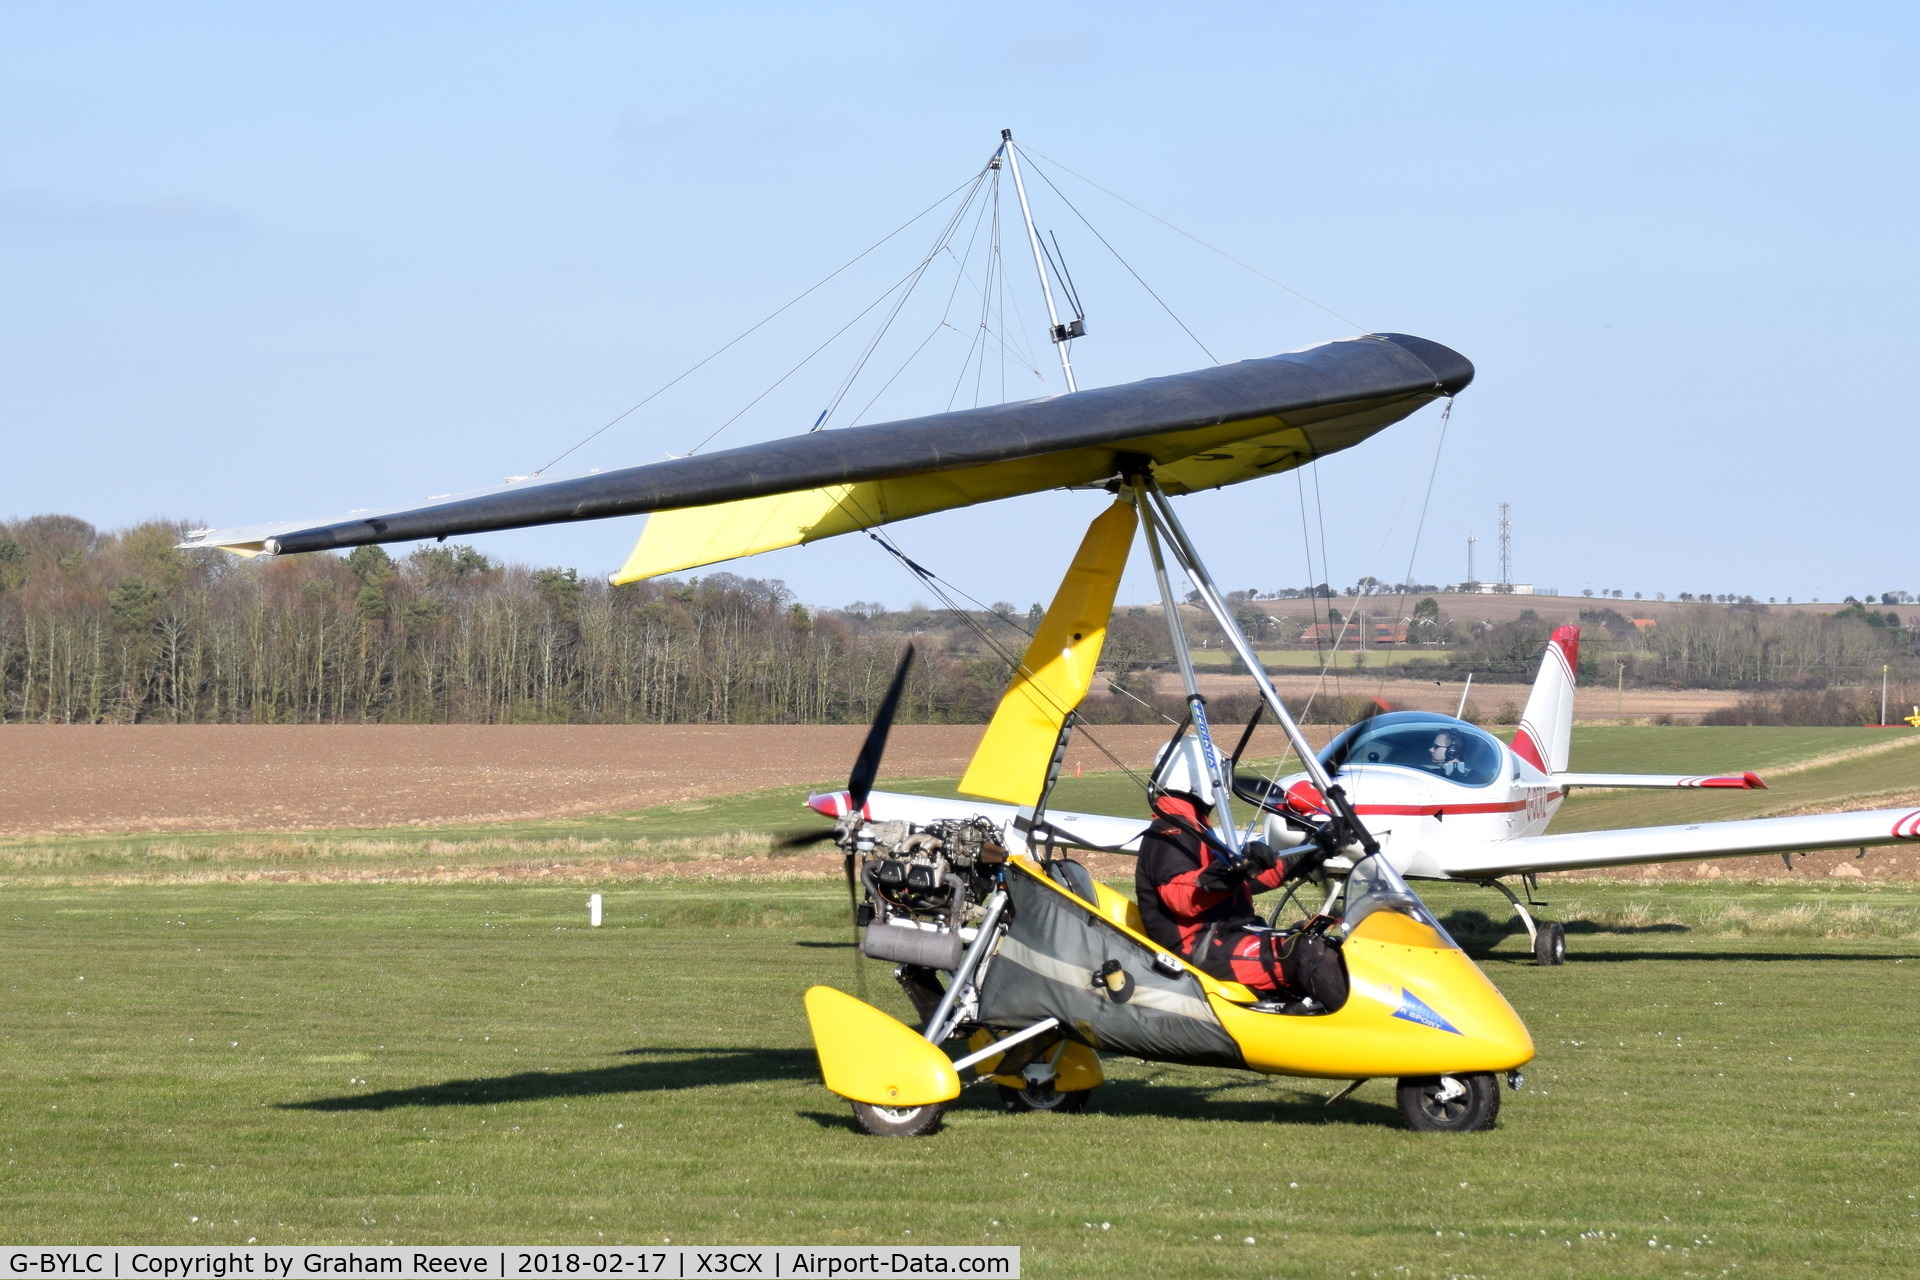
(924, 885)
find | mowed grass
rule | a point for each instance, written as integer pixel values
(218, 1063)
(1725, 1070)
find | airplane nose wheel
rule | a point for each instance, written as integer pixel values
(1450, 1104)
(897, 1122)
(1550, 944)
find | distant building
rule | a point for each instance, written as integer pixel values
(1507, 589)
(1354, 633)
(1645, 624)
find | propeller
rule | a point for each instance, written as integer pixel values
(866, 766)
(866, 769)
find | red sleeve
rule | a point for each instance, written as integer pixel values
(1186, 899)
(1272, 878)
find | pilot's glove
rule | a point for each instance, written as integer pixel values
(1304, 863)
(1221, 876)
(1260, 857)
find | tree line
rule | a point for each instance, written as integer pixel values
(121, 627)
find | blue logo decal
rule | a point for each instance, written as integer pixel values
(1414, 1009)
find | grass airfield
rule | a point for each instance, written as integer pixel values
(1724, 1083)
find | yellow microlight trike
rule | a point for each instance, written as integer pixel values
(1058, 971)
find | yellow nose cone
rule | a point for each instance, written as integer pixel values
(1417, 1006)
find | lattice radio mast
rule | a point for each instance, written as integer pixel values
(1506, 544)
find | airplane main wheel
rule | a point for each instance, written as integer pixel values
(1450, 1104)
(1044, 1097)
(898, 1122)
(1550, 944)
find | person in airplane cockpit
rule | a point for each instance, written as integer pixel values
(1443, 757)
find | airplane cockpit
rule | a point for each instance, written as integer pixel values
(1423, 741)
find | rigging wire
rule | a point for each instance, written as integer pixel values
(919, 272)
(1197, 240)
(1320, 514)
(804, 361)
(1123, 262)
(769, 318)
(1439, 444)
(959, 275)
(939, 587)
(1313, 588)
(1380, 553)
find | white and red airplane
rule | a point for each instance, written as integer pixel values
(1449, 801)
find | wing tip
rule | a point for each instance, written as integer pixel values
(1451, 370)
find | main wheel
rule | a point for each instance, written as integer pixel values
(1043, 1097)
(1450, 1104)
(1550, 944)
(898, 1122)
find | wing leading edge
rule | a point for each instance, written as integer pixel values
(1747, 781)
(1202, 429)
(1581, 850)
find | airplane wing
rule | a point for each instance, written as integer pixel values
(1580, 850)
(1097, 831)
(1201, 430)
(1748, 781)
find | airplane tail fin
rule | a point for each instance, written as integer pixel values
(1546, 726)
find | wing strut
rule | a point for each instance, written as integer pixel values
(1158, 516)
(1196, 704)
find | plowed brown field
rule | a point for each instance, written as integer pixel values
(58, 779)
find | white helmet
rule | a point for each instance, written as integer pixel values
(1181, 766)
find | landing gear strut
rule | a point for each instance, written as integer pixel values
(1549, 940)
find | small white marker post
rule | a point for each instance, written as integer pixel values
(593, 910)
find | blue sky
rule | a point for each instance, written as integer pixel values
(266, 262)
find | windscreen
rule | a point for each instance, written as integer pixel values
(1434, 745)
(1373, 885)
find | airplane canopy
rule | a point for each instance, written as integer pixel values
(1201, 430)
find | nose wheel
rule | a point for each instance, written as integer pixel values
(1043, 1097)
(1450, 1104)
(898, 1122)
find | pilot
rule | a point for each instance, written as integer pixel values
(1196, 903)
(1443, 757)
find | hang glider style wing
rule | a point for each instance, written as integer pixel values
(1201, 430)
(1748, 781)
(1580, 850)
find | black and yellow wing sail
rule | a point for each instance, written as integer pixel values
(1199, 430)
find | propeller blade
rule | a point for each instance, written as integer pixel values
(867, 767)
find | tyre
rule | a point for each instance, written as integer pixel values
(1043, 1097)
(898, 1122)
(1450, 1104)
(1550, 944)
